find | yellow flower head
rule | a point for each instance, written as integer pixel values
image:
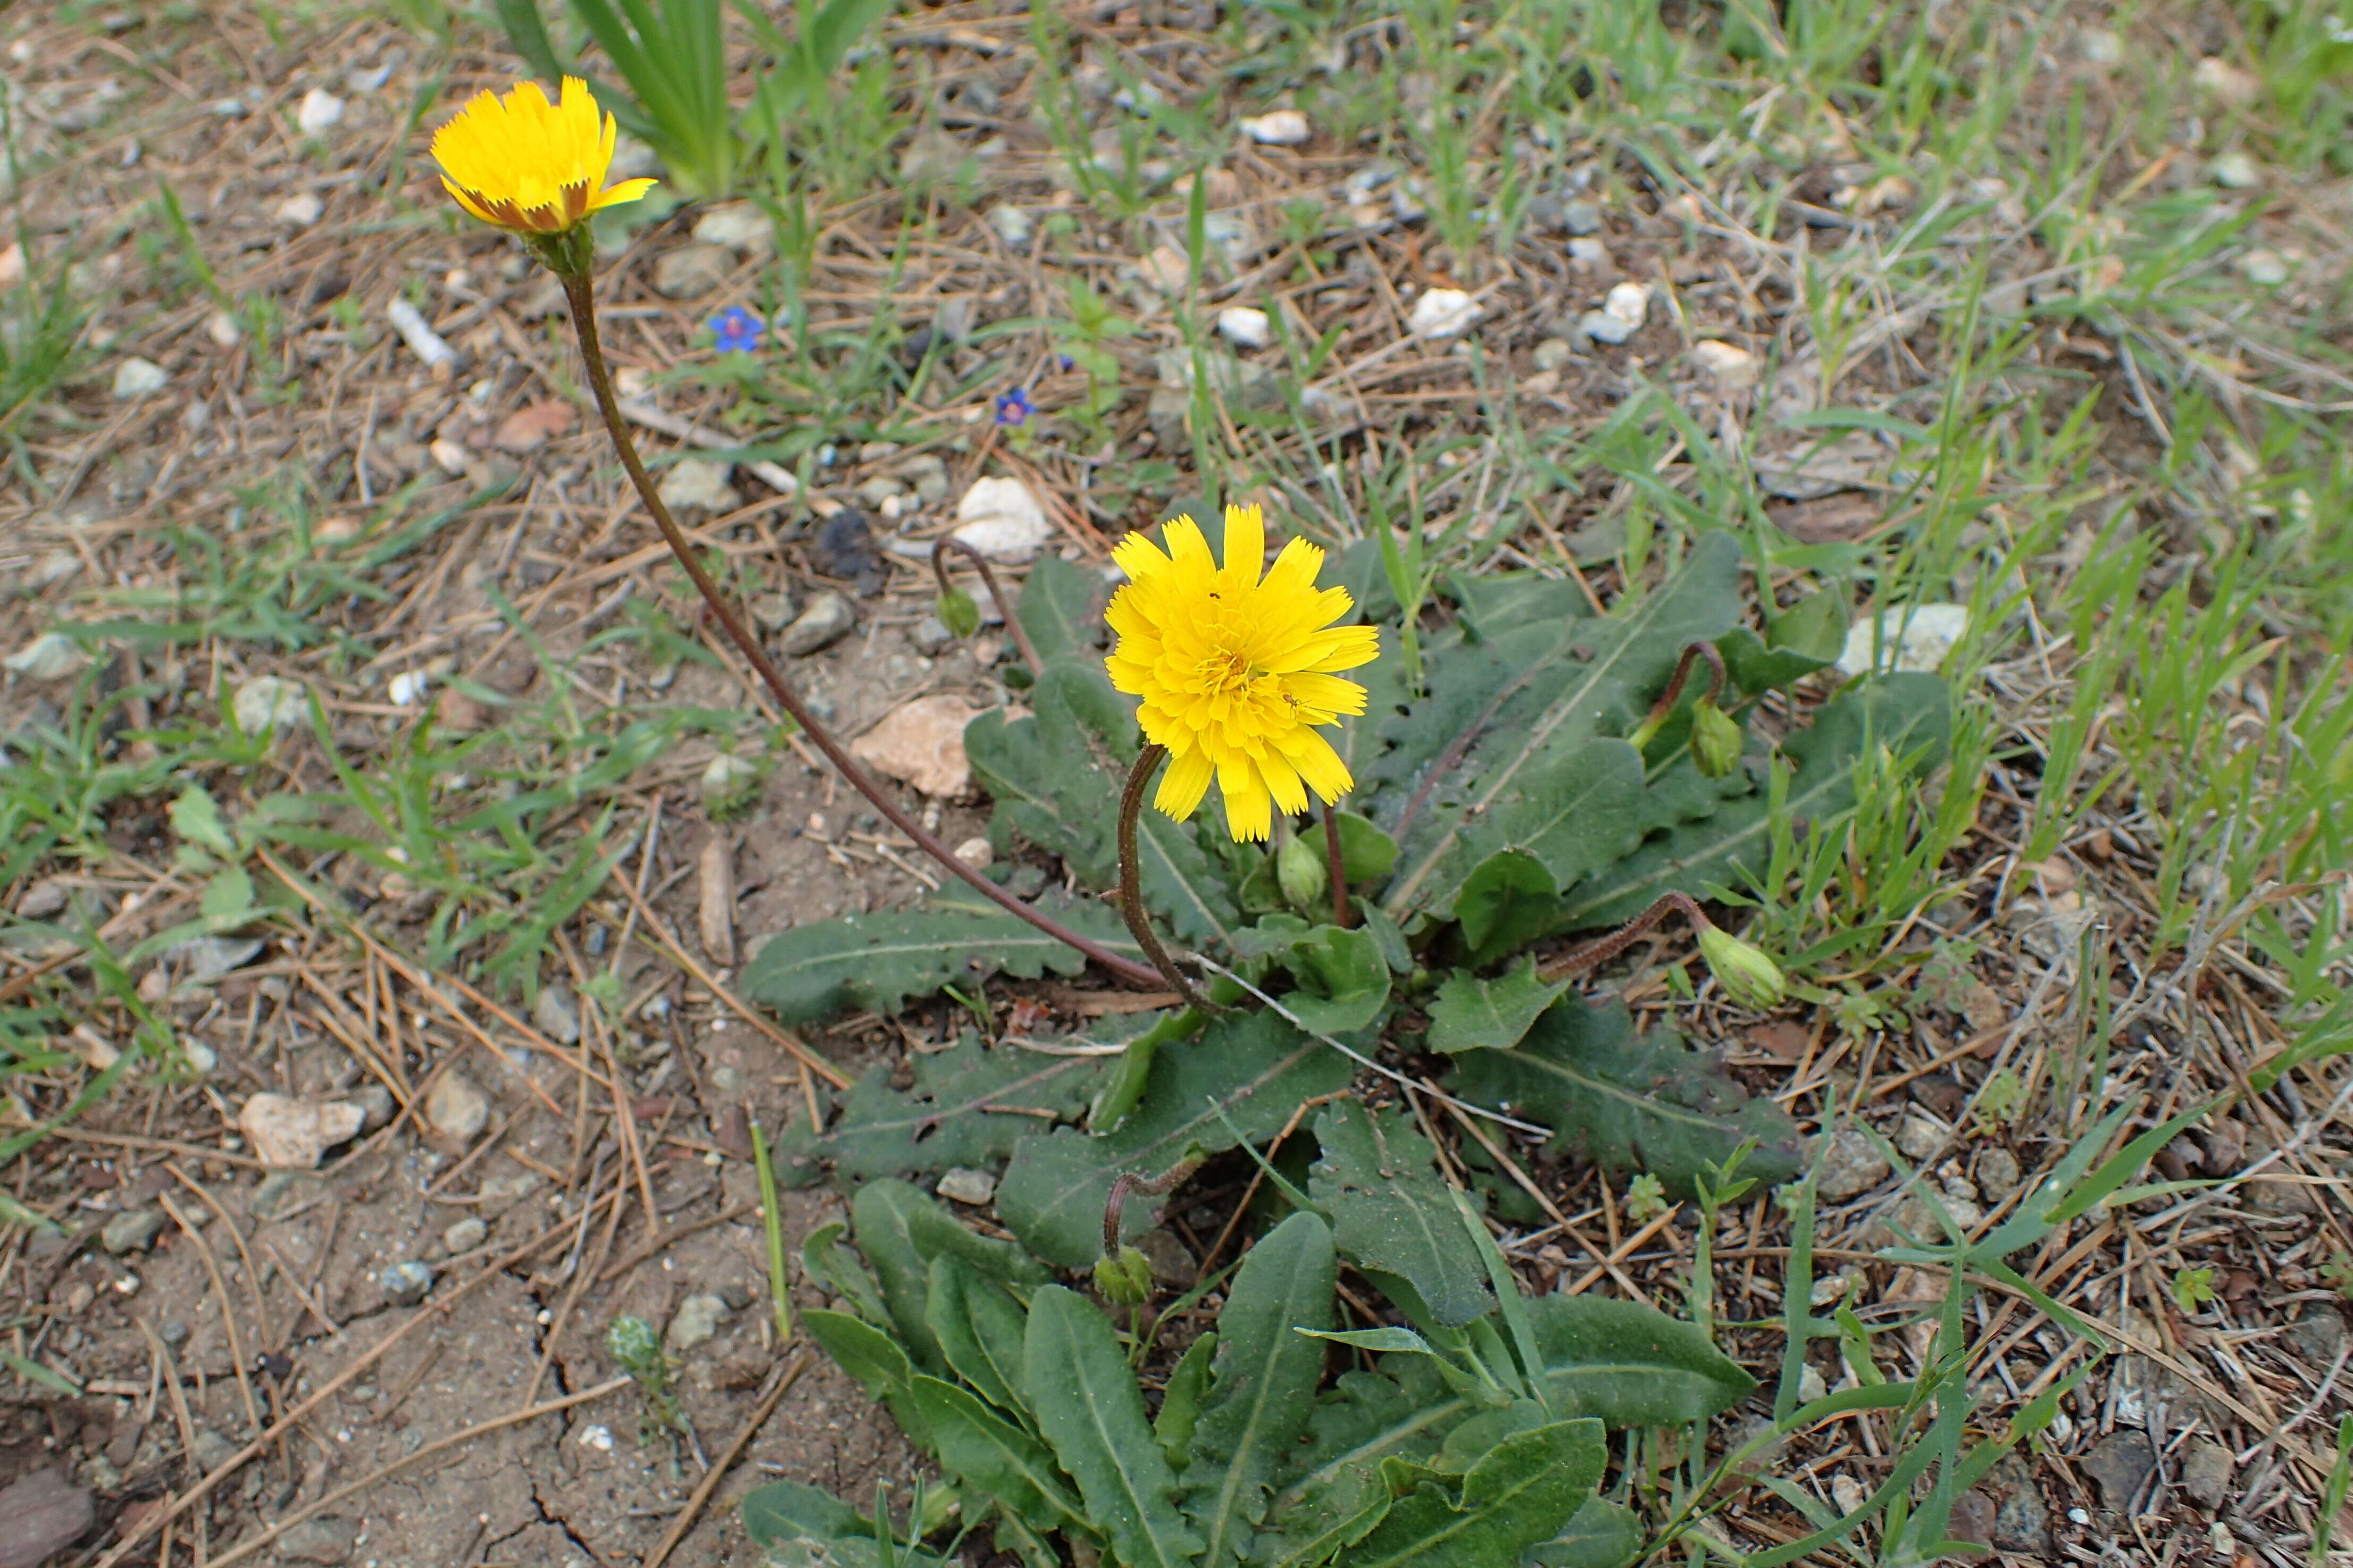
(1235, 670)
(528, 165)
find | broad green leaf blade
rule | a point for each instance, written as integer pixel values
(1473, 1015)
(1390, 1339)
(801, 1523)
(1378, 1180)
(968, 1107)
(994, 1456)
(1632, 1365)
(1601, 1534)
(1504, 901)
(1180, 1402)
(833, 1267)
(877, 961)
(1906, 712)
(1091, 1411)
(1265, 1378)
(875, 1360)
(1524, 1492)
(1539, 693)
(979, 1330)
(1246, 1076)
(879, 1219)
(1061, 608)
(1629, 1101)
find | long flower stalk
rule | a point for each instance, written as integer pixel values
(1130, 881)
(579, 290)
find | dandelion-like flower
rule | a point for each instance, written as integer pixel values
(528, 165)
(737, 330)
(1236, 671)
(1014, 407)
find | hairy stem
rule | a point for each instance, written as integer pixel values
(1115, 1205)
(1343, 913)
(1004, 605)
(1131, 881)
(1601, 950)
(581, 292)
(1660, 710)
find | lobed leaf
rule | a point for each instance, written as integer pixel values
(1472, 1015)
(1521, 1492)
(1391, 1215)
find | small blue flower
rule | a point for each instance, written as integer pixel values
(1065, 361)
(1014, 407)
(737, 330)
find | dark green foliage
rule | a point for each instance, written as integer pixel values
(1629, 1101)
(1471, 1014)
(1391, 1214)
(1521, 1492)
(1089, 1407)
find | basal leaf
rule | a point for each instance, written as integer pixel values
(1632, 1365)
(1061, 608)
(1627, 1101)
(1091, 1410)
(1906, 712)
(1504, 901)
(994, 1456)
(879, 1222)
(1180, 1401)
(875, 1360)
(801, 1523)
(979, 1330)
(1248, 1071)
(1264, 1383)
(1601, 1534)
(1343, 981)
(1523, 1491)
(968, 1106)
(1529, 700)
(1378, 1180)
(1471, 1014)
(1499, 602)
(876, 962)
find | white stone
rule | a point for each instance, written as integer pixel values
(2220, 80)
(1552, 353)
(599, 1436)
(922, 743)
(463, 1236)
(556, 1016)
(136, 377)
(1013, 225)
(1244, 327)
(1442, 313)
(266, 703)
(1628, 302)
(1002, 520)
(1278, 128)
(695, 1322)
(700, 485)
(295, 1134)
(300, 210)
(2237, 171)
(1730, 367)
(2264, 268)
(320, 110)
(1603, 328)
(2100, 47)
(975, 852)
(961, 1185)
(407, 688)
(455, 1109)
(49, 656)
(1915, 637)
(729, 783)
(1919, 1137)
(739, 225)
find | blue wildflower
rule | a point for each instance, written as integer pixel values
(1014, 407)
(1065, 361)
(737, 330)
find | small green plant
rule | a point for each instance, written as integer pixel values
(2193, 1289)
(1646, 1198)
(637, 1349)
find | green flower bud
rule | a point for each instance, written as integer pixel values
(1714, 740)
(1749, 977)
(959, 613)
(1299, 871)
(1126, 1279)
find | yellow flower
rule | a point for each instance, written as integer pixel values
(1235, 670)
(528, 165)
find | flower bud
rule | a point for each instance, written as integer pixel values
(959, 613)
(1124, 1281)
(1299, 871)
(1716, 740)
(1747, 976)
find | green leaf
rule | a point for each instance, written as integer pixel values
(968, 1107)
(1057, 774)
(1629, 1101)
(197, 818)
(1092, 1412)
(1180, 1401)
(1245, 1077)
(879, 1222)
(1495, 603)
(1906, 712)
(994, 1456)
(876, 962)
(1367, 854)
(1631, 1366)
(1509, 715)
(1343, 981)
(1389, 1340)
(833, 1266)
(1471, 1014)
(979, 1329)
(229, 896)
(1061, 608)
(1601, 1534)
(1523, 1491)
(1264, 1385)
(862, 1351)
(799, 1523)
(1504, 901)
(1391, 1215)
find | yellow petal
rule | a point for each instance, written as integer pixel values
(1187, 781)
(1250, 814)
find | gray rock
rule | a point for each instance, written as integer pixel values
(695, 1321)
(2121, 1464)
(730, 783)
(692, 270)
(52, 656)
(322, 1541)
(2021, 1521)
(698, 485)
(557, 1014)
(1013, 226)
(964, 1186)
(929, 474)
(455, 1107)
(773, 612)
(1165, 412)
(136, 378)
(205, 959)
(880, 489)
(266, 702)
(1920, 1138)
(44, 899)
(827, 621)
(932, 637)
(1851, 1166)
(405, 1284)
(377, 1105)
(133, 1230)
(465, 1235)
(41, 1513)
(1552, 353)
(282, 1192)
(1605, 327)
(1998, 1174)
(173, 1332)
(1580, 216)
(1172, 1265)
(212, 1450)
(2206, 1472)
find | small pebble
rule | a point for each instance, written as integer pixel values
(1013, 226)
(405, 1284)
(136, 378)
(968, 1186)
(975, 852)
(464, 1236)
(1278, 128)
(300, 210)
(1244, 327)
(1442, 313)
(319, 112)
